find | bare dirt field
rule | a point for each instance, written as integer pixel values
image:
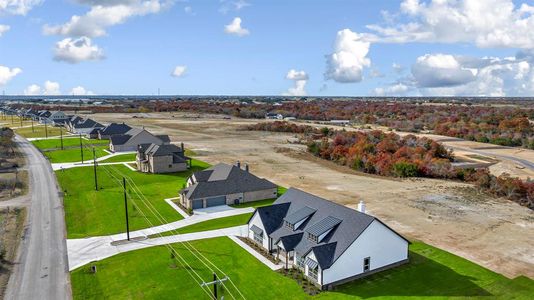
(11, 227)
(495, 233)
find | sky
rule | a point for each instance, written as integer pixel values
(268, 47)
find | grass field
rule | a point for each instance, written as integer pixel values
(67, 142)
(91, 213)
(120, 158)
(151, 274)
(74, 155)
(39, 131)
(210, 225)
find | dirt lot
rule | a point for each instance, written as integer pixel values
(496, 233)
(11, 227)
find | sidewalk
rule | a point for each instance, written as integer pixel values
(58, 166)
(83, 251)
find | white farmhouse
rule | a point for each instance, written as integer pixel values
(330, 243)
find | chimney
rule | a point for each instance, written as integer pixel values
(238, 164)
(246, 167)
(182, 145)
(361, 206)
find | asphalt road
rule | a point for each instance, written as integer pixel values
(42, 268)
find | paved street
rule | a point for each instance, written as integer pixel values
(42, 269)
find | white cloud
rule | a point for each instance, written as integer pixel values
(32, 90)
(17, 7)
(77, 50)
(398, 68)
(51, 88)
(488, 23)
(4, 29)
(189, 10)
(228, 5)
(179, 71)
(80, 91)
(440, 70)
(397, 89)
(95, 22)
(300, 78)
(235, 28)
(349, 59)
(6, 74)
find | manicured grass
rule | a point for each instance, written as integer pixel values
(91, 213)
(74, 155)
(39, 131)
(210, 225)
(150, 274)
(120, 158)
(67, 142)
(259, 203)
(281, 190)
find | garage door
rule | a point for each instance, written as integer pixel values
(216, 201)
(197, 204)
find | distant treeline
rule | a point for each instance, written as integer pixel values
(507, 125)
(388, 154)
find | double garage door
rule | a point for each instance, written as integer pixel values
(215, 201)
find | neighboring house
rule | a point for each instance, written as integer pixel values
(86, 126)
(43, 116)
(224, 184)
(330, 243)
(70, 123)
(133, 138)
(57, 118)
(273, 116)
(167, 158)
(113, 129)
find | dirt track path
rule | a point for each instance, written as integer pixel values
(496, 233)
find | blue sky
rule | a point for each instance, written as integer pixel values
(347, 48)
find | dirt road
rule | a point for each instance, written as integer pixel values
(495, 233)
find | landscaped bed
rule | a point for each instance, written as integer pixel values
(92, 213)
(72, 141)
(152, 274)
(74, 155)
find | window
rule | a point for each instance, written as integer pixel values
(289, 225)
(312, 237)
(366, 264)
(312, 273)
(170, 166)
(258, 238)
(300, 262)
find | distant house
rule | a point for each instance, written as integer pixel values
(133, 138)
(330, 243)
(273, 116)
(340, 122)
(113, 129)
(86, 126)
(43, 116)
(166, 158)
(71, 122)
(57, 118)
(225, 184)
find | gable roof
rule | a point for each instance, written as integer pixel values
(88, 123)
(115, 128)
(272, 215)
(120, 139)
(223, 179)
(341, 224)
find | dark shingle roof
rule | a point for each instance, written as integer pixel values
(88, 123)
(347, 225)
(164, 138)
(290, 241)
(299, 215)
(271, 216)
(223, 179)
(120, 139)
(115, 128)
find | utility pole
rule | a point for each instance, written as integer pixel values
(32, 126)
(21, 118)
(46, 130)
(94, 168)
(81, 148)
(126, 208)
(214, 282)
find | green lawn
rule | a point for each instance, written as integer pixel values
(74, 154)
(259, 203)
(210, 225)
(151, 274)
(39, 131)
(67, 142)
(120, 158)
(92, 213)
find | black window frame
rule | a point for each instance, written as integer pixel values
(367, 264)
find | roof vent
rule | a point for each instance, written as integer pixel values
(361, 206)
(246, 167)
(238, 164)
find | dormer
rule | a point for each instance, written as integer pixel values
(294, 220)
(318, 231)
